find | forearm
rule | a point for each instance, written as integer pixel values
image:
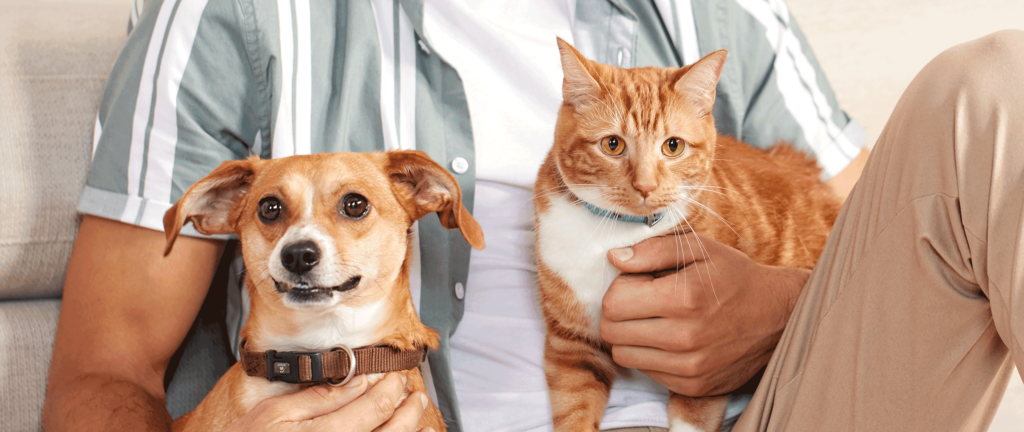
(844, 182)
(96, 402)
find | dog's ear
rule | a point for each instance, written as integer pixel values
(422, 186)
(208, 203)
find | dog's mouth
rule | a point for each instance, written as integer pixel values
(304, 292)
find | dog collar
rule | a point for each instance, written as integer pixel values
(335, 366)
(650, 221)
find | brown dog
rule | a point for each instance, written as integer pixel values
(326, 242)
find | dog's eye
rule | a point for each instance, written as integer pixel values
(270, 209)
(355, 206)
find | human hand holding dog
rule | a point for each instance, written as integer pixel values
(352, 407)
(704, 330)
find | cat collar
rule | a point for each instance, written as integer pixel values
(650, 221)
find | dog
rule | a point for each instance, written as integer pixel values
(326, 242)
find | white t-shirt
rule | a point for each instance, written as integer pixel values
(511, 72)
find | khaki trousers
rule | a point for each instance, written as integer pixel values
(911, 317)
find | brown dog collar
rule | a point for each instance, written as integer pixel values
(336, 366)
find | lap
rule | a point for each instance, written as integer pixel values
(904, 323)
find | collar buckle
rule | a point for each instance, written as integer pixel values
(284, 366)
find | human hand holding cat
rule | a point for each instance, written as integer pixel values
(704, 330)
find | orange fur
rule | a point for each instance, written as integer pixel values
(401, 187)
(771, 205)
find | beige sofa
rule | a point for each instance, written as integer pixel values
(54, 61)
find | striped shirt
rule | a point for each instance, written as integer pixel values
(200, 82)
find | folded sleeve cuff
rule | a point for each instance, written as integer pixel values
(134, 211)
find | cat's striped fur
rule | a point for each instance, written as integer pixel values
(770, 205)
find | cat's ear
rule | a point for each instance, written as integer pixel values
(579, 87)
(422, 186)
(697, 84)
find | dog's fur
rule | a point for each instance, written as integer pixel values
(401, 187)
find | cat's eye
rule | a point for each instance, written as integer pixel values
(355, 206)
(270, 209)
(613, 145)
(673, 147)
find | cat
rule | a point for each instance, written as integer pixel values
(640, 149)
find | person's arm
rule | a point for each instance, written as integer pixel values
(842, 184)
(126, 309)
(165, 120)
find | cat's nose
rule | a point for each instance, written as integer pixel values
(645, 188)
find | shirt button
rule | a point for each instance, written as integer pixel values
(460, 291)
(460, 165)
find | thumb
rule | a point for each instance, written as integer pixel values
(660, 253)
(318, 400)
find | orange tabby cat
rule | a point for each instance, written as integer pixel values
(636, 155)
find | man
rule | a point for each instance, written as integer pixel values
(476, 87)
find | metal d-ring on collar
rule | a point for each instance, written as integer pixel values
(314, 367)
(650, 221)
(351, 365)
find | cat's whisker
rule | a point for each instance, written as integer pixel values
(622, 117)
(619, 116)
(679, 245)
(715, 214)
(682, 216)
(559, 190)
(701, 244)
(710, 189)
(707, 257)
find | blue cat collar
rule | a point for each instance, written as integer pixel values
(650, 221)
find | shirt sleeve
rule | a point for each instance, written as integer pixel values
(182, 98)
(775, 88)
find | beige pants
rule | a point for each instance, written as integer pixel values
(916, 307)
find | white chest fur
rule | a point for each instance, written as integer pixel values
(354, 327)
(574, 244)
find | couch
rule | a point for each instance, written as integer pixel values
(54, 62)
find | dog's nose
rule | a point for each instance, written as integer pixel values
(299, 257)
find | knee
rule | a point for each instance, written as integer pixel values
(990, 62)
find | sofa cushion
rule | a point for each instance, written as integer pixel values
(54, 62)
(26, 345)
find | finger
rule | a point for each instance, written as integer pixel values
(659, 253)
(677, 295)
(686, 365)
(408, 415)
(371, 409)
(315, 401)
(631, 277)
(692, 387)
(671, 335)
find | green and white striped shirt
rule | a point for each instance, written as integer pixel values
(200, 82)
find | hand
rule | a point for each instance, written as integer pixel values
(349, 408)
(704, 330)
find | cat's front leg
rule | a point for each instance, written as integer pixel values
(580, 376)
(687, 414)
